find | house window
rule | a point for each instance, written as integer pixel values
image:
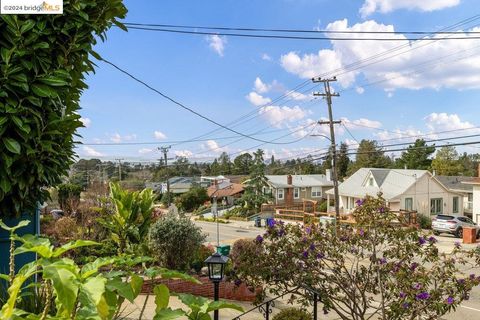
(436, 206)
(280, 194)
(351, 202)
(296, 193)
(408, 204)
(316, 192)
(455, 205)
(370, 182)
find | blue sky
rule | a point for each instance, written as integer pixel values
(427, 88)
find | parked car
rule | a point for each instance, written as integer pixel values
(453, 224)
(57, 214)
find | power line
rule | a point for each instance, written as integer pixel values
(291, 30)
(287, 37)
(184, 106)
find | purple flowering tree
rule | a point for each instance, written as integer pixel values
(378, 269)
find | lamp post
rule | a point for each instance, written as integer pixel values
(216, 271)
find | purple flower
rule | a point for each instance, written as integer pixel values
(417, 286)
(460, 281)
(308, 230)
(421, 240)
(423, 296)
(472, 276)
(432, 239)
(320, 256)
(382, 261)
(413, 266)
(259, 239)
(381, 210)
(359, 202)
(457, 245)
(238, 282)
(304, 240)
(402, 295)
(281, 232)
(343, 238)
(361, 232)
(272, 223)
(450, 300)
(305, 254)
(312, 246)
(406, 305)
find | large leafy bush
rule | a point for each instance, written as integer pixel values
(43, 61)
(175, 241)
(292, 314)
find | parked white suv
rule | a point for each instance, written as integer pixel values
(445, 223)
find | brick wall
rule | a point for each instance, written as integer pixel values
(228, 290)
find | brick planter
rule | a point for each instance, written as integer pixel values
(469, 235)
(228, 290)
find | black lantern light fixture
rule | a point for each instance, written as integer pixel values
(216, 271)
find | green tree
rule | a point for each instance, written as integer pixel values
(43, 61)
(370, 155)
(343, 161)
(417, 156)
(69, 197)
(192, 199)
(469, 163)
(242, 164)
(225, 165)
(446, 162)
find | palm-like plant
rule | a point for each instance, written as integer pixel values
(131, 218)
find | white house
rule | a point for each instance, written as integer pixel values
(404, 189)
(460, 184)
(475, 183)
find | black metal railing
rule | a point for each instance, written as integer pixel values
(266, 307)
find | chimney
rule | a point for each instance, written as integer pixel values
(289, 179)
(328, 174)
(434, 173)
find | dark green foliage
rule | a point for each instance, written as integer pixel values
(192, 199)
(343, 161)
(69, 196)
(43, 61)
(292, 314)
(370, 155)
(424, 221)
(175, 241)
(417, 156)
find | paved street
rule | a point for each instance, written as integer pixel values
(229, 232)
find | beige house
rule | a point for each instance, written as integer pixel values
(403, 189)
(475, 183)
(290, 189)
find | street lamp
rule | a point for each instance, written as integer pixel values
(216, 271)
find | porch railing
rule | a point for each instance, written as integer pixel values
(266, 307)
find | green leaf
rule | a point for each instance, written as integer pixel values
(27, 25)
(91, 268)
(162, 297)
(12, 145)
(5, 185)
(53, 81)
(92, 296)
(43, 91)
(66, 286)
(216, 305)
(21, 224)
(73, 245)
(169, 314)
(22, 275)
(31, 243)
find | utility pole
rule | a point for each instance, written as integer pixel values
(164, 150)
(328, 96)
(119, 169)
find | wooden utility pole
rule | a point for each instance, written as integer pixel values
(328, 97)
(164, 150)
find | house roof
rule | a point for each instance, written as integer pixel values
(391, 182)
(474, 181)
(299, 180)
(457, 183)
(225, 190)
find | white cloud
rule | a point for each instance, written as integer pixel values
(298, 96)
(351, 143)
(398, 134)
(257, 99)
(212, 145)
(117, 138)
(443, 122)
(418, 65)
(183, 153)
(86, 122)
(159, 135)
(217, 43)
(89, 151)
(266, 57)
(385, 6)
(362, 123)
(260, 86)
(145, 151)
(360, 90)
(277, 115)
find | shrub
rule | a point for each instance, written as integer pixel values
(66, 228)
(201, 255)
(69, 197)
(292, 314)
(244, 253)
(192, 199)
(424, 221)
(174, 241)
(322, 207)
